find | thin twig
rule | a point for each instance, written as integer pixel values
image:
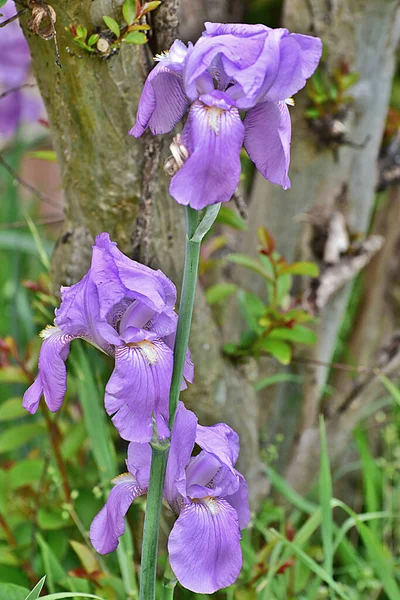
(40, 195)
(338, 366)
(17, 89)
(23, 224)
(38, 500)
(13, 18)
(54, 439)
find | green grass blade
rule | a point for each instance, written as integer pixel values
(104, 455)
(312, 565)
(380, 558)
(325, 498)
(35, 593)
(372, 479)
(44, 258)
(277, 378)
(350, 523)
(289, 493)
(52, 566)
(391, 388)
(62, 595)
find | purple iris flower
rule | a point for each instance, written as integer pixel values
(205, 492)
(126, 310)
(15, 62)
(231, 68)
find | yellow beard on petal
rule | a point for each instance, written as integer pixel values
(210, 503)
(213, 115)
(48, 331)
(148, 349)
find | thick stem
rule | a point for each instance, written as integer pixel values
(160, 450)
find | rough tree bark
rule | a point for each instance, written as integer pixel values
(114, 183)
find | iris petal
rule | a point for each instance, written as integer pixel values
(138, 388)
(109, 524)
(211, 174)
(204, 546)
(267, 140)
(52, 376)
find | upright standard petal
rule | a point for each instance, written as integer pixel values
(240, 502)
(109, 524)
(52, 376)
(213, 137)
(298, 59)
(204, 546)
(221, 441)
(245, 55)
(139, 463)
(163, 101)
(138, 388)
(182, 443)
(267, 140)
(117, 277)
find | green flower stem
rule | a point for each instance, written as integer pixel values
(169, 583)
(192, 257)
(160, 451)
(148, 565)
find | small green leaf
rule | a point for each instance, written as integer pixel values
(299, 334)
(227, 216)
(313, 113)
(86, 557)
(94, 38)
(301, 268)
(12, 375)
(25, 472)
(19, 435)
(52, 520)
(2, 3)
(81, 32)
(112, 25)
(277, 378)
(12, 409)
(10, 591)
(149, 6)
(218, 292)
(48, 155)
(278, 349)
(135, 37)
(350, 79)
(252, 308)
(249, 263)
(129, 11)
(206, 222)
